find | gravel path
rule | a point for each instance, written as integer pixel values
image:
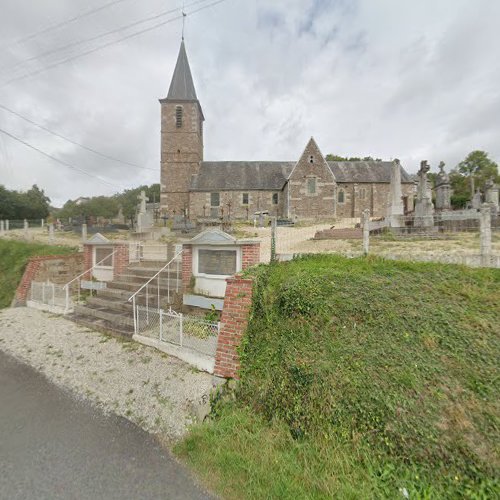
(157, 392)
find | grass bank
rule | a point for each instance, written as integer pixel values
(14, 256)
(361, 378)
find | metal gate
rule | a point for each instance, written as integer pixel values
(184, 331)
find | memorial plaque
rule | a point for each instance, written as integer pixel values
(217, 262)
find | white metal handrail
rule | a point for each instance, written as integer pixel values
(155, 276)
(66, 286)
(146, 286)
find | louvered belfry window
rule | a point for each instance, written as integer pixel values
(178, 116)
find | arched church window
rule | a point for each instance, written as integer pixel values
(178, 116)
(341, 196)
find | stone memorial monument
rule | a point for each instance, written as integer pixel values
(396, 208)
(491, 196)
(443, 189)
(144, 217)
(477, 200)
(424, 209)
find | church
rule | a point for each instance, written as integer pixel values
(307, 188)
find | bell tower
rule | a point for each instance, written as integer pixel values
(181, 139)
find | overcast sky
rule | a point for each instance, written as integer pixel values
(388, 78)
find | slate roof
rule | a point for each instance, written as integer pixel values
(182, 86)
(365, 171)
(242, 175)
(273, 175)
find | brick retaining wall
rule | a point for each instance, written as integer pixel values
(56, 268)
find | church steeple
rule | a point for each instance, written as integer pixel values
(182, 86)
(181, 138)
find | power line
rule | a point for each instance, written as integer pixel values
(132, 35)
(103, 155)
(62, 23)
(96, 37)
(62, 162)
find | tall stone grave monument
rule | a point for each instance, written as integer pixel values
(443, 189)
(424, 209)
(491, 196)
(396, 208)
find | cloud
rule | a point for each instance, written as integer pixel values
(389, 79)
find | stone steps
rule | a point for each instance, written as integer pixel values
(109, 309)
(117, 318)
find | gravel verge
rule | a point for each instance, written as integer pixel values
(159, 393)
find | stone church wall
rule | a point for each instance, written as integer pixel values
(311, 167)
(257, 201)
(374, 197)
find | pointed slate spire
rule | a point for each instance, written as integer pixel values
(182, 86)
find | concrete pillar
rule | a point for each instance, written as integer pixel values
(366, 231)
(51, 233)
(84, 232)
(2, 226)
(7, 225)
(42, 224)
(26, 227)
(485, 235)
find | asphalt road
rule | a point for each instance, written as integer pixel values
(54, 447)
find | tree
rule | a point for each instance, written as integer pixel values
(478, 168)
(32, 204)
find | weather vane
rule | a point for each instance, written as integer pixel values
(183, 19)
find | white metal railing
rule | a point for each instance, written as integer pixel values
(166, 270)
(182, 330)
(79, 281)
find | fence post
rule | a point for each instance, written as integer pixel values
(84, 232)
(26, 226)
(273, 239)
(51, 233)
(485, 234)
(181, 333)
(66, 309)
(366, 231)
(42, 224)
(135, 315)
(160, 311)
(2, 226)
(7, 225)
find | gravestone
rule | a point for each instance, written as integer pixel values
(84, 232)
(51, 233)
(7, 225)
(443, 189)
(424, 209)
(26, 226)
